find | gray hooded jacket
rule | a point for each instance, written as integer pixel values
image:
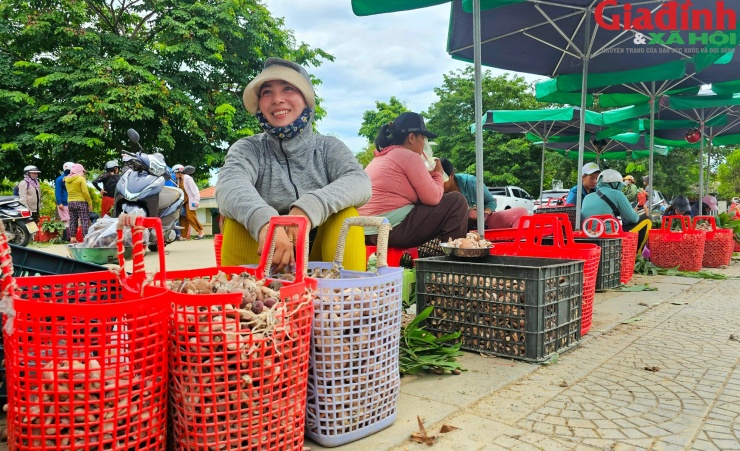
(264, 176)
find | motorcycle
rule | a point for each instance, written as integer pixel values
(19, 225)
(142, 186)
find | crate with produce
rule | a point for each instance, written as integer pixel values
(518, 307)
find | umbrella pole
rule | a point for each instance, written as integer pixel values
(542, 171)
(701, 163)
(582, 124)
(710, 147)
(478, 116)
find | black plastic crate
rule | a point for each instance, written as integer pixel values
(29, 262)
(610, 265)
(518, 307)
(569, 210)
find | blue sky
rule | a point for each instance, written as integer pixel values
(400, 54)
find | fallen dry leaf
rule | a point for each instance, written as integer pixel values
(652, 368)
(563, 384)
(422, 436)
(734, 337)
(447, 428)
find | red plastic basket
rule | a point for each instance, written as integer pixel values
(629, 246)
(718, 245)
(86, 360)
(629, 255)
(683, 249)
(218, 240)
(529, 243)
(237, 389)
(500, 235)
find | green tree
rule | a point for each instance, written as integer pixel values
(728, 174)
(373, 120)
(508, 159)
(74, 76)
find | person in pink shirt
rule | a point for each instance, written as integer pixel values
(405, 192)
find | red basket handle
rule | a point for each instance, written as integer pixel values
(7, 281)
(301, 258)
(616, 227)
(137, 279)
(553, 202)
(533, 229)
(706, 218)
(684, 220)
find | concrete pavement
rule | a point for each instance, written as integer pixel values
(599, 396)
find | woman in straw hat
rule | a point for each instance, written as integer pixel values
(288, 170)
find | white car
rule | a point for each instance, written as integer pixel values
(511, 196)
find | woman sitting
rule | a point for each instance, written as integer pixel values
(608, 199)
(679, 207)
(468, 185)
(405, 192)
(288, 170)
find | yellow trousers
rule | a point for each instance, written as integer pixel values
(239, 248)
(642, 229)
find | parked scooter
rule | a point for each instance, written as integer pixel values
(19, 225)
(142, 186)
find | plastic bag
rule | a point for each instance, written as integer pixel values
(103, 232)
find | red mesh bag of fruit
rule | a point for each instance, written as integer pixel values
(677, 245)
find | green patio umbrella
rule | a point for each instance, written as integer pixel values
(566, 37)
(544, 124)
(617, 147)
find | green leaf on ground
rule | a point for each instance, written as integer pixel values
(637, 287)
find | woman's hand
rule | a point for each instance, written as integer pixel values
(437, 166)
(283, 255)
(473, 214)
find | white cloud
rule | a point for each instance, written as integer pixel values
(400, 54)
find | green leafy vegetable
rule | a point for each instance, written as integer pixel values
(644, 267)
(422, 351)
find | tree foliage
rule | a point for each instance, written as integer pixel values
(373, 120)
(728, 175)
(505, 160)
(75, 75)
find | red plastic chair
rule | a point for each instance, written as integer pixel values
(394, 254)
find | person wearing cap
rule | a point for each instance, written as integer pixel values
(106, 184)
(61, 196)
(589, 174)
(608, 199)
(679, 207)
(29, 191)
(80, 202)
(630, 190)
(411, 197)
(468, 185)
(708, 205)
(289, 170)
